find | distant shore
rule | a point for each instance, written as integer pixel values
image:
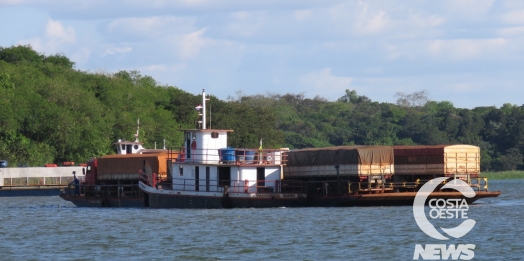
(515, 174)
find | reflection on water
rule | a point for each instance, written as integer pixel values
(49, 228)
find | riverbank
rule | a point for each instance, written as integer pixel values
(516, 174)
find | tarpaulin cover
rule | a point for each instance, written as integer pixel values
(430, 154)
(131, 163)
(433, 150)
(341, 155)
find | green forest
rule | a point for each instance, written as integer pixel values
(51, 112)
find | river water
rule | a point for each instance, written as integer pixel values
(48, 228)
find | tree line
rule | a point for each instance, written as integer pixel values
(51, 113)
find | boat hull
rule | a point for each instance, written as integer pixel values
(82, 201)
(30, 191)
(158, 198)
(274, 201)
(390, 199)
(185, 201)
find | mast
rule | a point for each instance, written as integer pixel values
(204, 109)
(137, 129)
(202, 122)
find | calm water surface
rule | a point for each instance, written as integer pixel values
(48, 228)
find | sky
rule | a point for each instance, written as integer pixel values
(468, 52)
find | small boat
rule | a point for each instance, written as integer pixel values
(206, 173)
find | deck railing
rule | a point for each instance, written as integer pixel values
(325, 187)
(238, 157)
(39, 181)
(105, 191)
(239, 186)
(479, 184)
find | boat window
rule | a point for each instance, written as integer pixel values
(136, 147)
(214, 135)
(207, 179)
(224, 176)
(197, 178)
(181, 171)
(123, 147)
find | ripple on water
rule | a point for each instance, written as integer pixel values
(50, 228)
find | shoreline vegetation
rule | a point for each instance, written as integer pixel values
(514, 174)
(51, 112)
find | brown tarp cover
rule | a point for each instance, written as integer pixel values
(341, 155)
(432, 150)
(430, 154)
(131, 163)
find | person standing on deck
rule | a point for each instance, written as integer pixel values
(77, 184)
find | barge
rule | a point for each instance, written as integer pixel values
(206, 173)
(36, 181)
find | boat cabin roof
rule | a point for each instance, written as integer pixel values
(204, 130)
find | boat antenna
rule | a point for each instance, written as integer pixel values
(137, 130)
(199, 120)
(202, 122)
(204, 99)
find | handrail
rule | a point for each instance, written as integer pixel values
(240, 157)
(236, 186)
(481, 183)
(106, 191)
(326, 187)
(281, 186)
(142, 176)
